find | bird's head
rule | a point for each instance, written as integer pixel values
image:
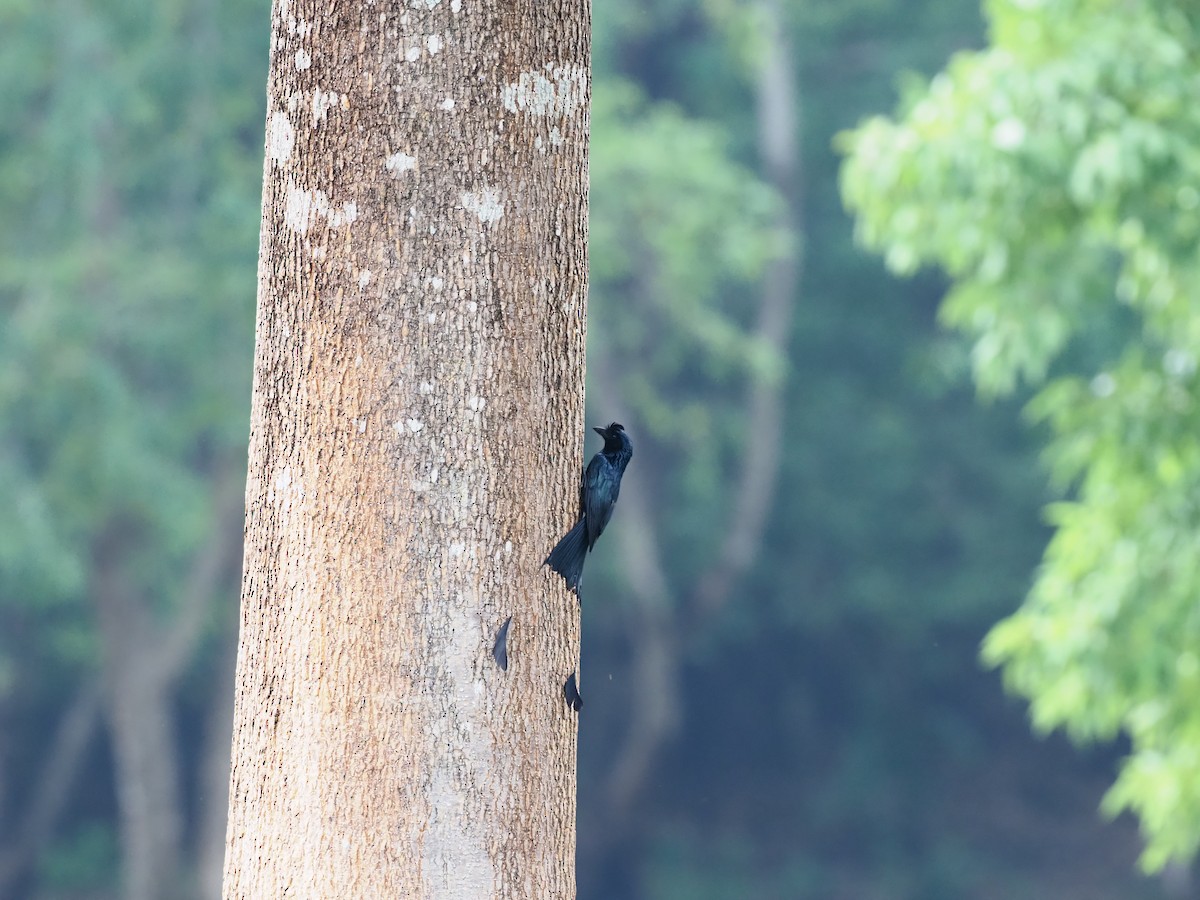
(614, 436)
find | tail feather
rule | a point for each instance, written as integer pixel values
(568, 554)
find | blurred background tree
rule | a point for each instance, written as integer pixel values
(130, 161)
(820, 525)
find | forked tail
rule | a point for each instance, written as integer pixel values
(568, 554)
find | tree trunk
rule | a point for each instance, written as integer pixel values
(142, 662)
(138, 704)
(778, 108)
(212, 778)
(416, 443)
(661, 621)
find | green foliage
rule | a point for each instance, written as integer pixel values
(127, 285)
(680, 234)
(832, 745)
(130, 175)
(1054, 177)
(685, 226)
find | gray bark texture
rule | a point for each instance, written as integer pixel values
(416, 444)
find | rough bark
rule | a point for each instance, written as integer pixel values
(416, 442)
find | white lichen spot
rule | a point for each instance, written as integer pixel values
(400, 162)
(360, 425)
(559, 92)
(508, 548)
(455, 5)
(487, 205)
(436, 282)
(358, 360)
(303, 28)
(281, 137)
(415, 425)
(412, 54)
(294, 99)
(303, 60)
(447, 104)
(321, 102)
(537, 144)
(425, 387)
(556, 137)
(458, 548)
(432, 317)
(427, 4)
(476, 403)
(433, 44)
(303, 208)
(318, 252)
(472, 306)
(364, 278)
(298, 211)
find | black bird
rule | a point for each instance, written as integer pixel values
(597, 495)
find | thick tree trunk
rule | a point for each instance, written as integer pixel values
(415, 451)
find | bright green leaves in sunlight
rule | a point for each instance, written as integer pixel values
(1055, 177)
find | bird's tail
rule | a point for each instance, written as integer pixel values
(568, 554)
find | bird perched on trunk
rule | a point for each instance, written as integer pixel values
(597, 494)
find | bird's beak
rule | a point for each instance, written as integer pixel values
(603, 432)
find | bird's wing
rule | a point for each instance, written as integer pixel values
(583, 491)
(598, 496)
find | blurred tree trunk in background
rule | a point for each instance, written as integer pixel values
(664, 623)
(213, 777)
(137, 701)
(142, 661)
(415, 451)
